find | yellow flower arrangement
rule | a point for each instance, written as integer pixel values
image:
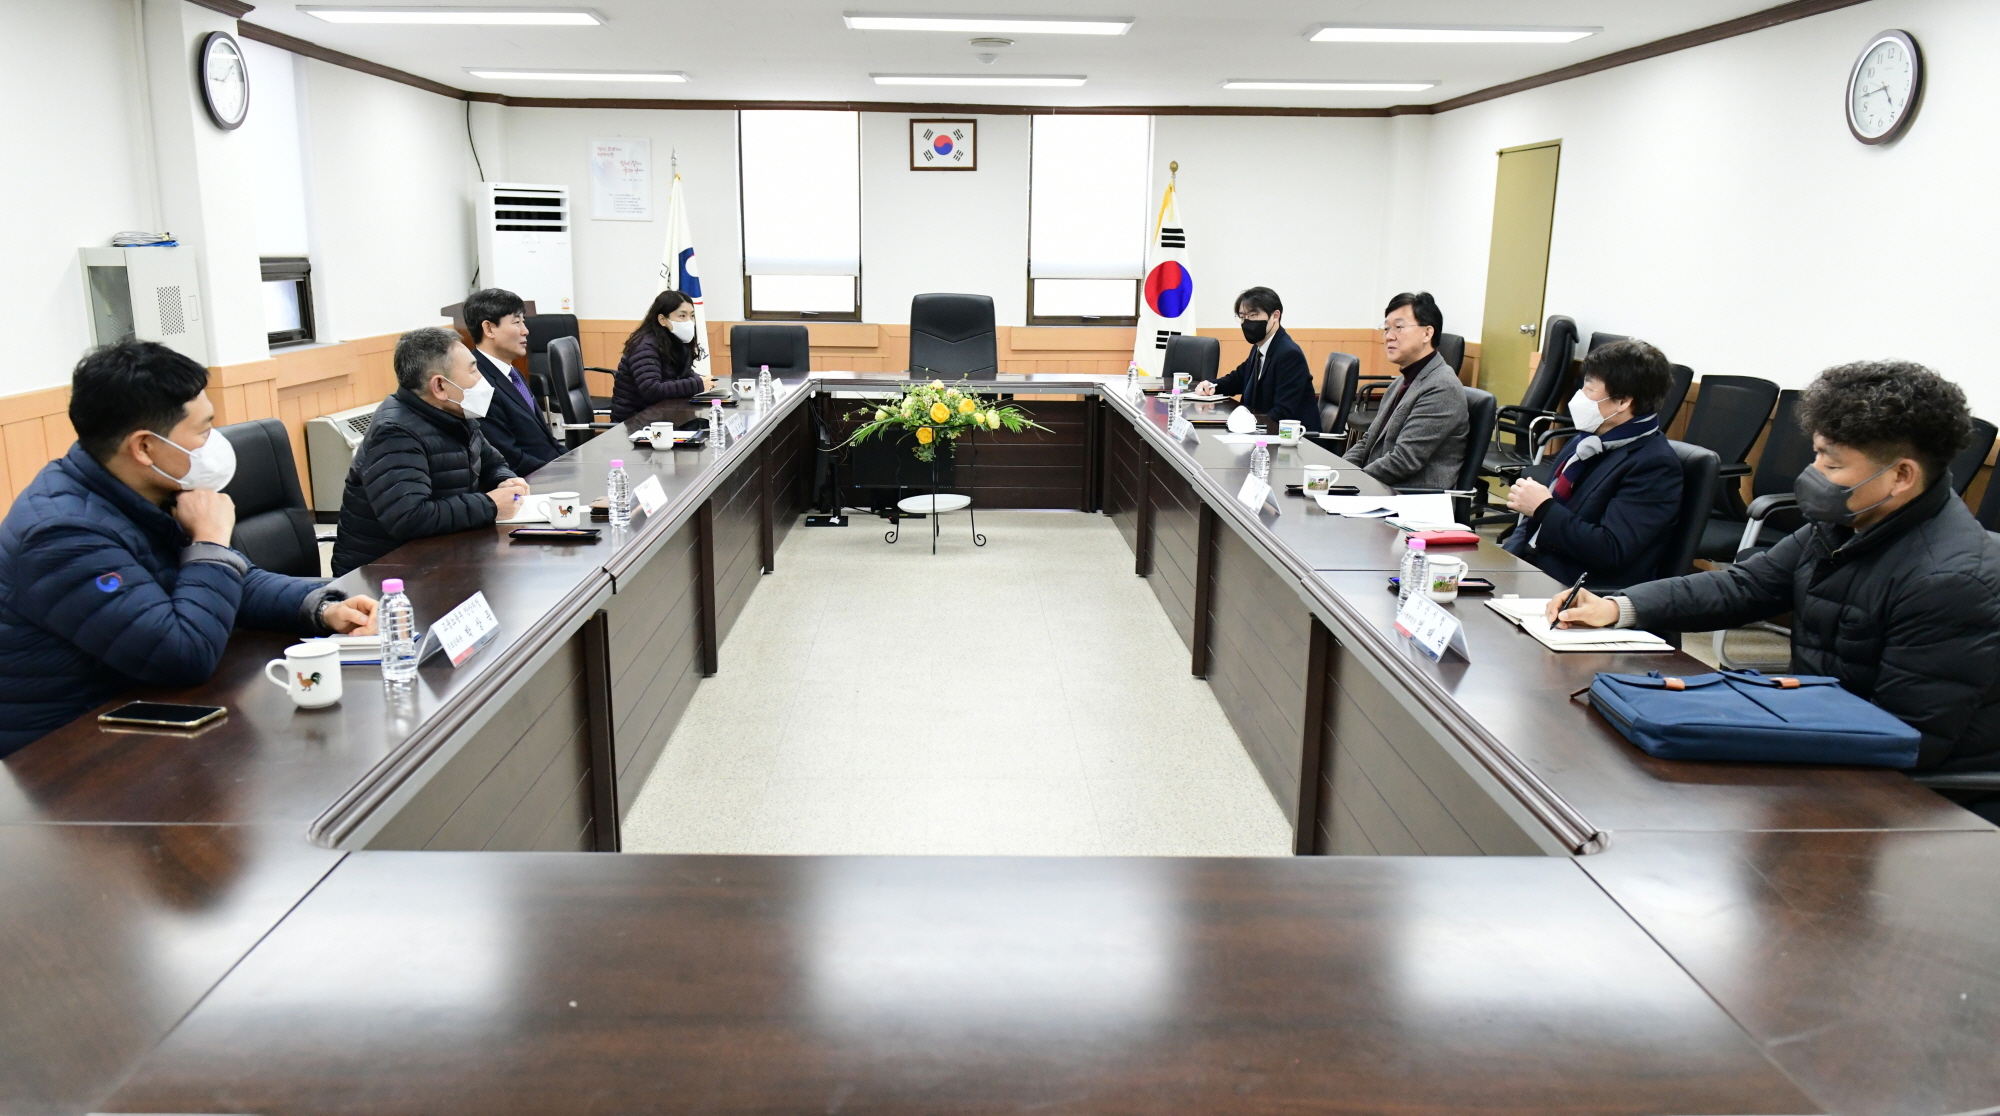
(967, 406)
(933, 413)
(940, 412)
(925, 435)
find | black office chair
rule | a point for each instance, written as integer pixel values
(1541, 405)
(274, 528)
(1599, 340)
(952, 337)
(1966, 465)
(571, 392)
(1199, 357)
(1480, 409)
(1451, 347)
(1338, 384)
(1677, 393)
(1771, 514)
(1989, 506)
(1728, 415)
(786, 348)
(1701, 472)
(542, 329)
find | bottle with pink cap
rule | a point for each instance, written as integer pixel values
(397, 622)
(618, 494)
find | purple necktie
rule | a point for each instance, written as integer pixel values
(515, 374)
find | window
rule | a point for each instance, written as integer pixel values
(801, 175)
(288, 304)
(1087, 218)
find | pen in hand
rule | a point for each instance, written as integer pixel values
(1571, 598)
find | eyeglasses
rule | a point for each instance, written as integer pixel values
(1398, 327)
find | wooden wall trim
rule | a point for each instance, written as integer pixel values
(299, 46)
(234, 9)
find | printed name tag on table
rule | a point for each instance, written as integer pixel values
(1253, 493)
(650, 495)
(1434, 630)
(461, 631)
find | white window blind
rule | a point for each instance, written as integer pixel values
(1087, 197)
(801, 192)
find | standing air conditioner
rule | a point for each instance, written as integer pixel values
(150, 294)
(331, 441)
(524, 243)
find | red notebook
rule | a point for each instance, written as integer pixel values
(1447, 538)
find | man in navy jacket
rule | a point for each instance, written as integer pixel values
(1274, 379)
(115, 566)
(1615, 493)
(514, 424)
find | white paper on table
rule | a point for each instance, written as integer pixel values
(1531, 614)
(1414, 525)
(1244, 439)
(1434, 507)
(530, 511)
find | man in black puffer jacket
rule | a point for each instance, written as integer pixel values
(424, 468)
(1893, 586)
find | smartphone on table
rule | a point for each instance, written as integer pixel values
(161, 714)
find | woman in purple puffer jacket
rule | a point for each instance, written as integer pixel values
(659, 358)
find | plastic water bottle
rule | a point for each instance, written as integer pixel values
(765, 396)
(1174, 406)
(1132, 379)
(397, 622)
(715, 420)
(1416, 568)
(618, 490)
(1260, 461)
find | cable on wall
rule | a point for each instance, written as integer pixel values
(474, 145)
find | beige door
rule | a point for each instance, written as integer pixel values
(1517, 271)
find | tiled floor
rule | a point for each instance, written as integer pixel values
(1025, 698)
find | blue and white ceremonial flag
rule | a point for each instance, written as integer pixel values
(677, 268)
(1166, 301)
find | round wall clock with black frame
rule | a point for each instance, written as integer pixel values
(1884, 87)
(225, 80)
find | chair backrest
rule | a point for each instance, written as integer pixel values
(1700, 469)
(1337, 386)
(1989, 506)
(542, 329)
(1966, 465)
(1729, 414)
(786, 348)
(1199, 357)
(951, 337)
(1451, 347)
(1481, 409)
(1599, 340)
(1552, 373)
(567, 388)
(1677, 393)
(274, 529)
(1787, 451)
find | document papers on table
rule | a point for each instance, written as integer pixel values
(1433, 508)
(1529, 615)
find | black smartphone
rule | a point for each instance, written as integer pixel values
(160, 714)
(554, 534)
(699, 440)
(1465, 584)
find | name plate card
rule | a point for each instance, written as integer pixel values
(650, 495)
(1253, 493)
(461, 631)
(1431, 628)
(1180, 428)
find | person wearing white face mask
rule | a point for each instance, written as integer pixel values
(1614, 491)
(658, 363)
(115, 563)
(513, 422)
(425, 468)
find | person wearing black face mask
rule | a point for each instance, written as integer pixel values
(1893, 586)
(1274, 380)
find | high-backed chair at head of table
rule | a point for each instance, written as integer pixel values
(786, 348)
(1451, 347)
(570, 392)
(542, 329)
(1199, 357)
(952, 337)
(274, 529)
(1338, 384)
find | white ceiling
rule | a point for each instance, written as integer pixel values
(1178, 53)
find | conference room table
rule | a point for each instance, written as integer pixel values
(398, 903)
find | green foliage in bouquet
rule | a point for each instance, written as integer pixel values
(934, 411)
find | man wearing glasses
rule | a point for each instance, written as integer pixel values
(1274, 379)
(1418, 437)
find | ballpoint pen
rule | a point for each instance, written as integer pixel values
(1573, 591)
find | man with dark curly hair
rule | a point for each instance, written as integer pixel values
(1893, 586)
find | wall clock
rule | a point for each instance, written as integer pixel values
(944, 145)
(225, 80)
(1883, 89)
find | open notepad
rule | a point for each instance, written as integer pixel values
(1530, 617)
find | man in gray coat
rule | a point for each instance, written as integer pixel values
(1418, 437)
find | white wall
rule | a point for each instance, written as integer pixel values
(275, 129)
(618, 262)
(96, 180)
(390, 199)
(1296, 204)
(1713, 202)
(957, 231)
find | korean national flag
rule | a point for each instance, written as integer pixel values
(1166, 302)
(677, 267)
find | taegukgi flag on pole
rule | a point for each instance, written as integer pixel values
(1166, 301)
(677, 268)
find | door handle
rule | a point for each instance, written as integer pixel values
(1529, 328)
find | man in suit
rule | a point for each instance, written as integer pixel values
(1615, 492)
(1418, 437)
(514, 426)
(1274, 379)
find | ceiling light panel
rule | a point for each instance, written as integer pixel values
(577, 75)
(460, 17)
(1358, 33)
(1333, 86)
(991, 25)
(1065, 80)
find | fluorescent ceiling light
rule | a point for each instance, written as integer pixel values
(1335, 86)
(510, 17)
(978, 79)
(577, 75)
(1354, 33)
(986, 25)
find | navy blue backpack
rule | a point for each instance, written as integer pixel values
(1753, 718)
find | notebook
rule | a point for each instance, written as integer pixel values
(1529, 616)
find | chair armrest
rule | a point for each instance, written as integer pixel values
(1550, 434)
(1740, 469)
(1967, 781)
(1762, 507)
(594, 368)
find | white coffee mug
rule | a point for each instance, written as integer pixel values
(1445, 576)
(311, 673)
(1318, 479)
(563, 509)
(660, 434)
(746, 389)
(1291, 431)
